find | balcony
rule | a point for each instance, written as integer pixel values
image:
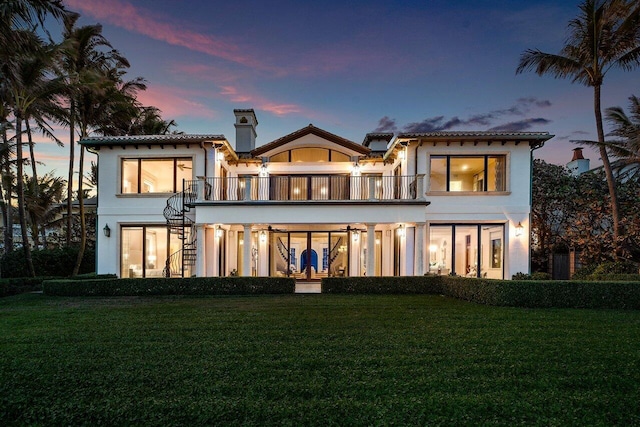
(305, 188)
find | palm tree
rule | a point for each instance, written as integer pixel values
(93, 70)
(627, 128)
(42, 199)
(605, 35)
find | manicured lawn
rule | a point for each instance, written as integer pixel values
(313, 360)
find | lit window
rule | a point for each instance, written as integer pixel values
(155, 175)
(468, 173)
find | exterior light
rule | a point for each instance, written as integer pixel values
(356, 235)
(263, 170)
(433, 248)
(401, 154)
(263, 236)
(219, 231)
(107, 231)
(220, 156)
(401, 230)
(519, 229)
(377, 241)
(356, 169)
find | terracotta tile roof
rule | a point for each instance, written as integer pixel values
(98, 141)
(311, 129)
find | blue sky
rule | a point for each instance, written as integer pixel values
(352, 67)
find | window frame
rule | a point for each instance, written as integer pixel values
(140, 183)
(485, 174)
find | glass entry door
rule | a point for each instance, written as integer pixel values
(309, 256)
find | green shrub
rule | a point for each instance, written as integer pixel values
(382, 285)
(165, 286)
(615, 277)
(540, 275)
(514, 293)
(47, 262)
(551, 293)
(15, 286)
(521, 276)
(584, 272)
(616, 267)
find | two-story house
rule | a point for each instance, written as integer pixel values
(312, 204)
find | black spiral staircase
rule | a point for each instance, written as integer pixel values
(181, 262)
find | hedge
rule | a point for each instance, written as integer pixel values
(15, 286)
(175, 286)
(514, 293)
(382, 285)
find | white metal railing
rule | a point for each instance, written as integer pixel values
(308, 187)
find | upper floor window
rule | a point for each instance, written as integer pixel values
(310, 154)
(163, 175)
(468, 173)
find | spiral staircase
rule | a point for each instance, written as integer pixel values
(181, 262)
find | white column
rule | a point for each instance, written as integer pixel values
(211, 253)
(246, 265)
(419, 269)
(371, 249)
(410, 250)
(263, 254)
(200, 251)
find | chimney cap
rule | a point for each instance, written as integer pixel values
(577, 154)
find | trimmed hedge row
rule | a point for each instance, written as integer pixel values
(513, 293)
(175, 286)
(15, 286)
(382, 285)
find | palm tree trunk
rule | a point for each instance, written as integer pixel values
(83, 234)
(7, 211)
(611, 182)
(34, 228)
(72, 112)
(20, 189)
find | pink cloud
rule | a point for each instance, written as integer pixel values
(174, 102)
(129, 17)
(279, 109)
(229, 89)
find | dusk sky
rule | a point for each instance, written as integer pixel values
(352, 67)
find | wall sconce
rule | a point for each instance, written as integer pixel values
(401, 230)
(356, 235)
(107, 231)
(219, 231)
(519, 229)
(220, 156)
(263, 236)
(263, 170)
(356, 169)
(401, 154)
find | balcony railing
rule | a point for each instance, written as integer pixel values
(308, 187)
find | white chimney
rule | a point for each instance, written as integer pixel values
(246, 124)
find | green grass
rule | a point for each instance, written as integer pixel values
(313, 360)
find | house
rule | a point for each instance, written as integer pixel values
(312, 204)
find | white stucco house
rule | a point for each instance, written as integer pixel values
(312, 204)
